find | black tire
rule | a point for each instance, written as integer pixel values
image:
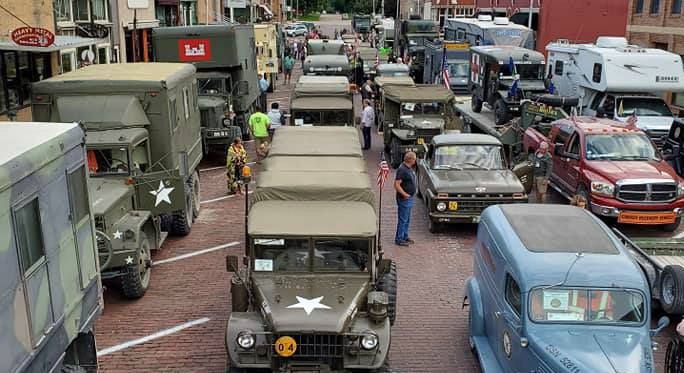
(433, 226)
(672, 227)
(136, 278)
(554, 100)
(182, 220)
(395, 153)
(387, 282)
(475, 103)
(196, 187)
(671, 289)
(581, 191)
(501, 113)
(471, 341)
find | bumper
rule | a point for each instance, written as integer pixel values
(418, 149)
(612, 208)
(442, 217)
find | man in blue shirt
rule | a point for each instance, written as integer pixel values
(263, 88)
(405, 185)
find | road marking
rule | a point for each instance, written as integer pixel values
(190, 255)
(221, 198)
(151, 337)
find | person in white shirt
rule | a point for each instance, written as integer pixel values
(276, 118)
(367, 120)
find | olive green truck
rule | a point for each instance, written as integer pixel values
(143, 146)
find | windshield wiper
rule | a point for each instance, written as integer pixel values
(477, 166)
(446, 167)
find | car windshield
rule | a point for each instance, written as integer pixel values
(298, 255)
(623, 147)
(413, 108)
(526, 71)
(108, 161)
(211, 86)
(463, 157)
(362, 22)
(642, 107)
(459, 70)
(587, 306)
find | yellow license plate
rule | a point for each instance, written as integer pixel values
(453, 205)
(627, 217)
(285, 346)
(420, 141)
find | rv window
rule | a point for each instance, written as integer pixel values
(558, 68)
(29, 234)
(513, 296)
(186, 103)
(597, 73)
(173, 113)
(78, 193)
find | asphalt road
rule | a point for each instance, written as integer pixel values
(179, 325)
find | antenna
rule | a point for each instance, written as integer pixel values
(578, 255)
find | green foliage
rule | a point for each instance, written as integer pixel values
(311, 17)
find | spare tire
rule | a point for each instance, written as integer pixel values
(671, 289)
(554, 100)
(387, 282)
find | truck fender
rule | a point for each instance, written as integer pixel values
(401, 134)
(474, 301)
(239, 322)
(137, 221)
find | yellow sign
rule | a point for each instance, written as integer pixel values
(420, 141)
(453, 205)
(285, 346)
(456, 46)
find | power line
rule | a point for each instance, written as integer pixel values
(14, 15)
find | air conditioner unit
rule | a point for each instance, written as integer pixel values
(501, 21)
(484, 18)
(611, 42)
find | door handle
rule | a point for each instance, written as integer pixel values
(497, 314)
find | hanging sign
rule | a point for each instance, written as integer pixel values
(33, 36)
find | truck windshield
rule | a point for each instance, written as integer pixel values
(459, 70)
(108, 161)
(305, 255)
(462, 157)
(623, 147)
(582, 305)
(211, 86)
(412, 108)
(642, 106)
(526, 71)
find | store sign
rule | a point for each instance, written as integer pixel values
(194, 50)
(33, 37)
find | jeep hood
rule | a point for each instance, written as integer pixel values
(423, 122)
(319, 303)
(596, 350)
(471, 181)
(619, 170)
(106, 193)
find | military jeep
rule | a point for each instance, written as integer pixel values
(322, 101)
(412, 115)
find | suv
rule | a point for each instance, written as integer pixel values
(560, 301)
(296, 30)
(463, 173)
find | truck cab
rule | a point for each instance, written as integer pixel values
(414, 34)
(457, 64)
(361, 23)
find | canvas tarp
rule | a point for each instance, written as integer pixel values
(322, 103)
(383, 81)
(313, 186)
(332, 164)
(314, 218)
(100, 112)
(318, 84)
(419, 93)
(316, 141)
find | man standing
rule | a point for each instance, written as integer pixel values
(288, 64)
(258, 124)
(263, 88)
(405, 185)
(542, 164)
(367, 120)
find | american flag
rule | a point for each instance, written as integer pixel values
(445, 70)
(383, 173)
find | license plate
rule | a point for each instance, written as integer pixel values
(453, 205)
(647, 218)
(420, 141)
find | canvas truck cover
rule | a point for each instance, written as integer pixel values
(383, 81)
(102, 112)
(418, 93)
(316, 141)
(313, 218)
(331, 164)
(313, 186)
(321, 103)
(317, 47)
(322, 85)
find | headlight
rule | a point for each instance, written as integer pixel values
(369, 341)
(245, 340)
(441, 206)
(606, 189)
(680, 190)
(411, 133)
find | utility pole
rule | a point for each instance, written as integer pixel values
(529, 18)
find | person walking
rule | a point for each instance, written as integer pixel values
(367, 120)
(302, 55)
(542, 165)
(405, 186)
(288, 64)
(295, 48)
(258, 124)
(263, 88)
(275, 118)
(235, 161)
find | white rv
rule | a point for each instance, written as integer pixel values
(615, 79)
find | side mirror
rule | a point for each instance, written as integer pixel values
(242, 88)
(663, 322)
(232, 263)
(558, 149)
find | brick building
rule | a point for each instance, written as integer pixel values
(658, 24)
(506, 8)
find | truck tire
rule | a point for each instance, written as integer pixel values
(475, 103)
(554, 100)
(395, 153)
(433, 226)
(671, 289)
(182, 220)
(136, 278)
(501, 113)
(672, 227)
(196, 187)
(471, 340)
(582, 192)
(388, 283)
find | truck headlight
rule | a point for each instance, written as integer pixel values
(606, 189)
(441, 206)
(680, 190)
(369, 341)
(245, 340)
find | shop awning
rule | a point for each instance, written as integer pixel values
(61, 42)
(143, 23)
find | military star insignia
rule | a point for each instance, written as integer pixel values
(162, 194)
(117, 235)
(129, 260)
(309, 304)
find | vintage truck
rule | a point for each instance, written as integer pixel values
(615, 167)
(322, 101)
(412, 37)
(557, 301)
(457, 61)
(361, 23)
(225, 58)
(144, 145)
(461, 174)
(327, 64)
(52, 294)
(412, 115)
(316, 47)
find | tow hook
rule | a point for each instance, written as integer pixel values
(465, 303)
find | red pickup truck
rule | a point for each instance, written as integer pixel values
(617, 169)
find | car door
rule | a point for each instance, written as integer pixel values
(423, 169)
(559, 145)
(572, 162)
(509, 328)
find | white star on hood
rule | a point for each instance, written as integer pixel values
(309, 304)
(129, 260)
(162, 194)
(117, 235)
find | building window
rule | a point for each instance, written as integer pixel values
(189, 13)
(103, 53)
(81, 13)
(63, 11)
(99, 10)
(29, 234)
(655, 6)
(68, 59)
(638, 6)
(676, 6)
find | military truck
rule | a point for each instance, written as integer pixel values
(268, 59)
(383, 79)
(361, 23)
(322, 101)
(316, 47)
(225, 58)
(457, 61)
(144, 145)
(49, 279)
(317, 294)
(412, 37)
(327, 64)
(412, 115)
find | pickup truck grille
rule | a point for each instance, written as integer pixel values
(479, 203)
(647, 192)
(428, 133)
(315, 348)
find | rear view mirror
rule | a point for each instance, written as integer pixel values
(242, 88)
(232, 263)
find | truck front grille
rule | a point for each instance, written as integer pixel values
(647, 192)
(478, 203)
(315, 348)
(100, 223)
(428, 133)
